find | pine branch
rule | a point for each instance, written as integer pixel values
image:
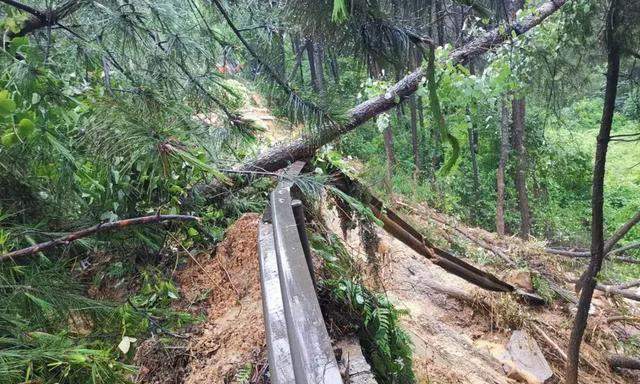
(42, 19)
(102, 227)
(296, 98)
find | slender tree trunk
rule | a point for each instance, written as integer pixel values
(473, 150)
(335, 69)
(597, 208)
(281, 55)
(388, 149)
(439, 20)
(415, 137)
(299, 51)
(315, 67)
(502, 164)
(518, 106)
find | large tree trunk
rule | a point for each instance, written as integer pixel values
(502, 165)
(518, 112)
(305, 146)
(597, 205)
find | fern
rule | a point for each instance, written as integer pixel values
(386, 345)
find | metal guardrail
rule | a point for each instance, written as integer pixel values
(299, 346)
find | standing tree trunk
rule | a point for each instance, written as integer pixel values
(518, 106)
(473, 151)
(335, 69)
(415, 137)
(439, 20)
(315, 66)
(391, 159)
(597, 202)
(502, 164)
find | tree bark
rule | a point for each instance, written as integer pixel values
(388, 149)
(439, 20)
(597, 203)
(518, 112)
(473, 151)
(313, 71)
(502, 164)
(305, 146)
(415, 137)
(314, 52)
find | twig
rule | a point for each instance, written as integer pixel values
(629, 319)
(102, 227)
(229, 279)
(197, 263)
(550, 341)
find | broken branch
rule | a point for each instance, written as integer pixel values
(102, 227)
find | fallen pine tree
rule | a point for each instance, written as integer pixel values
(305, 146)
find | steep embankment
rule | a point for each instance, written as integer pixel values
(461, 333)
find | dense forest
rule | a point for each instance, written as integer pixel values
(140, 142)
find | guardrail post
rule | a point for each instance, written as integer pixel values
(298, 214)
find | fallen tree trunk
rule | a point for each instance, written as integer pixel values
(613, 290)
(608, 247)
(621, 361)
(587, 255)
(102, 227)
(629, 284)
(307, 145)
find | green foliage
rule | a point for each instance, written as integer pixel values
(385, 344)
(340, 12)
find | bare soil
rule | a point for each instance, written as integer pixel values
(223, 287)
(454, 339)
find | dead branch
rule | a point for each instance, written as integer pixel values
(627, 285)
(587, 255)
(614, 291)
(102, 227)
(550, 342)
(621, 361)
(622, 318)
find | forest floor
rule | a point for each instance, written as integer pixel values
(455, 340)
(462, 341)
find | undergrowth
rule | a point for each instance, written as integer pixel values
(386, 346)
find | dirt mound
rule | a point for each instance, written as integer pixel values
(225, 288)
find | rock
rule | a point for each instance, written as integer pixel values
(353, 366)
(521, 279)
(526, 361)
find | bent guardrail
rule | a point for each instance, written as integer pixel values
(298, 344)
